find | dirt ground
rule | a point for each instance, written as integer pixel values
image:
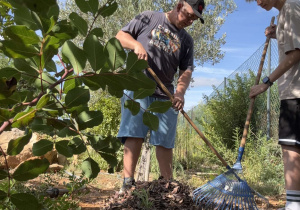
(102, 193)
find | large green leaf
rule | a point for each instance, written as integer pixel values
(95, 52)
(5, 114)
(14, 49)
(77, 96)
(159, 106)
(47, 80)
(40, 125)
(25, 201)
(79, 23)
(110, 159)
(41, 6)
(75, 55)
(42, 147)
(150, 120)
(3, 174)
(133, 106)
(93, 82)
(56, 123)
(17, 145)
(108, 9)
(50, 66)
(31, 169)
(22, 34)
(66, 132)
(115, 53)
(24, 118)
(3, 195)
(90, 168)
(98, 32)
(77, 146)
(134, 65)
(71, 82)
(88, 5)
(89, 119)
(22, 16)
(9, 72)
(45, 24)
(64, 30)
(142, 93)
(50, 49)
(43, 101)
(63, 148)
(25, 66)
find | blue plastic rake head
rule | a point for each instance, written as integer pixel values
(227, 191)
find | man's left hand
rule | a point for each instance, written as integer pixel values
(178, 102)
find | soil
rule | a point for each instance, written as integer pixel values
(102, 193)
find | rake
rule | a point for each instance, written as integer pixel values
(228, 190)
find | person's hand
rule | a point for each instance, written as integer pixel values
(258, 89)
(178, 101)
(140, 51)
(271, 31)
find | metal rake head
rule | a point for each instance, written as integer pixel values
(227, 191)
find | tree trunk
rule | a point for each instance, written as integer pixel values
(144, 166)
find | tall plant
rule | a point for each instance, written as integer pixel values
(60, 108)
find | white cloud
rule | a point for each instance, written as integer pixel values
(206, 81)
(210, 70)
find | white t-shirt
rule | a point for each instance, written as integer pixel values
(288, 37)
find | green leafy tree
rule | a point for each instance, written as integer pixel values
(60, 108)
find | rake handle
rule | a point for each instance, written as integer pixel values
(188, 118)
(252, 100)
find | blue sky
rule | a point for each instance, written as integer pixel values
(245, 34)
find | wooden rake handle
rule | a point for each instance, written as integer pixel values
(188, 118)
(252, 100)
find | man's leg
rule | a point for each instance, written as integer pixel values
(132, 149)
(165, 158)
(291, 160)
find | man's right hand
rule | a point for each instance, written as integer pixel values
(140, 51)
(271, 31)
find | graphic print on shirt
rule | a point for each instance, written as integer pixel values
(163, 38)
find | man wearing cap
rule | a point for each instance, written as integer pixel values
(161, 40)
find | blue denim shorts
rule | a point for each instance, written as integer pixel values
(133, 126)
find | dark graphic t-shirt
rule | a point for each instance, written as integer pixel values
(167, 46)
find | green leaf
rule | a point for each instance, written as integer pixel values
(14, 49)
(47, 80)
(23, 118)
(53, 12)
(115, 92)
(115, 53)
(51, 66)
(5, 115)
(142, 93)
(88, 5)
(9, 72)
(41, 6)
(50, 49)
(75, 55)
(95, 52)
(79, 23)
(22, 34)
(98, 32)
(17, 145)
(133, 106)
(77, 146)
(56, 123)
(134, 65)
(93, 82)
(64, 30)
(63, 148)
(150, 120)
(3, 195)
(43, 101)
(25, 201)
(42, 147)
(108, 9)
(71, 82)
(40, 125)
(90, 168)
(3, 175)
(22, 16)
(89, 119)
(45, 24)
(160, 106)
(110, 159)
(31, 169)
(24, 66)
(77, 96)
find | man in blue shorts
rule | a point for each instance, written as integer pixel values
(287, 33)
(160, 39)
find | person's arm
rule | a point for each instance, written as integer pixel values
(290, 60)
(128, 42)
(182, 85)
